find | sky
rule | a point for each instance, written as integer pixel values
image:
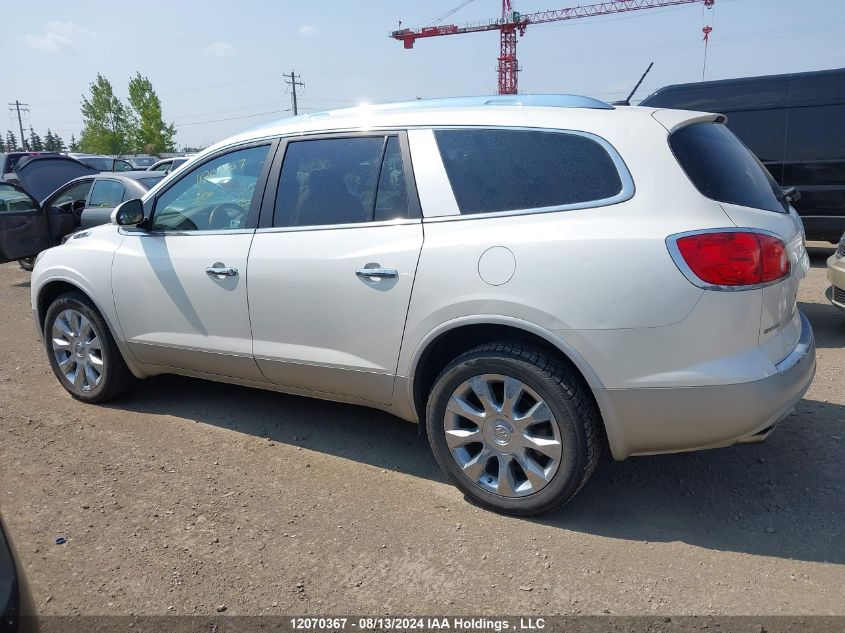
(218, 66)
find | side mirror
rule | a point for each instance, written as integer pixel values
(128, 213)
(792, 194)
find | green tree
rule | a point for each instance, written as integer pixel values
(147, 130)
(105, 122)
(74, 144)
(11, 142)
(2, 146)
(35, 142)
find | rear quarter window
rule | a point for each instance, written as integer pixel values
(504, 170)
(723, 169)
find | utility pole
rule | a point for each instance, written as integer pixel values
(17, 106)
(291, 80)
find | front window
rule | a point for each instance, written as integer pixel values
(73, 198)
(214, 196)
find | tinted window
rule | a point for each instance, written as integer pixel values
(100, 164)
(392, 196)
(107, 193)
(213, 196)
(335, 181)
(816, 133)
(722, 97)
(501, 170)
(723, 169)
(12, 200)
(122, 165)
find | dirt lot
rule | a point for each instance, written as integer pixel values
(187, 495)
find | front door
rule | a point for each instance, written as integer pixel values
(180, 282)
(330, 277)
(24, 229)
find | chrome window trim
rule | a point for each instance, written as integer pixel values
(142, 233)
(331, 227)
(695, 280)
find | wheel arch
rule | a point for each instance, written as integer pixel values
(453, 338)
(48, 291)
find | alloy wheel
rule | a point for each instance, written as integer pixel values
(77, 350)
(502, 435)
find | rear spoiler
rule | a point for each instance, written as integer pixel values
(674, 120)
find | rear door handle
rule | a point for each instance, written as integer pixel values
(380, 273)
(221, 271)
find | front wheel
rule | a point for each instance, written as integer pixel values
(82, 351)
(513, 428)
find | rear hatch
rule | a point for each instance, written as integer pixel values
(725, 170)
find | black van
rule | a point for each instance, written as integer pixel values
(794, 123)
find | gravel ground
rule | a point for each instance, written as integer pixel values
(188, 495)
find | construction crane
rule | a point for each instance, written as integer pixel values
(513, 24)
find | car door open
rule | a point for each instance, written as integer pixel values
(330, 276)
(24, 228)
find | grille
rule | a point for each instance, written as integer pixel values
(841, 250)
(839, 295)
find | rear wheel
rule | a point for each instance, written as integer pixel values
(82, 351)
(513, 428)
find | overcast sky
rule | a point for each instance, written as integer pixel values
(218, 66)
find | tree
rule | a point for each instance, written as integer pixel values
(35, 142)
(53, 142)
(104, 119)
(74, 144)
(2, 145)
(11, 142)
(147, 129)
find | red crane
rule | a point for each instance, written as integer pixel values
(513, 24)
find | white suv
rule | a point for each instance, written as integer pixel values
(532, 278)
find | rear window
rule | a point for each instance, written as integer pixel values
(504, 170)
(723, 169)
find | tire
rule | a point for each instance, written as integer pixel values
(27, 263)
(106, 379)
(512, 476)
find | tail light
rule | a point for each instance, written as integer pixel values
(730, 259)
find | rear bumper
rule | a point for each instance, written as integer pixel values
(667, 420)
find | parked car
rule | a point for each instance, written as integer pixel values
(68, 202)
(794, 123)
(546, 276)
(17, 608)
(140, 163)
(103, 163)
(836, 275)
(166, 165)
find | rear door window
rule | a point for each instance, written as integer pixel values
(723, 169)
(107, 194)
(341, 181)
(503, 170)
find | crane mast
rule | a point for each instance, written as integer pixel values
(512, 25)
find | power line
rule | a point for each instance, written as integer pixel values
(293, 83)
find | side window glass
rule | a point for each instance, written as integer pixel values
(107, 194)
(73, 198)
(12, 200)
(122, 165)
(214, 196)
(329, 181)
(392, 196)
(504, 170)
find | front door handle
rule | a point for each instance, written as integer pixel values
(380, 273)
(221, 271)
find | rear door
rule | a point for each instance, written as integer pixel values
(24, 229)
(332, 265)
